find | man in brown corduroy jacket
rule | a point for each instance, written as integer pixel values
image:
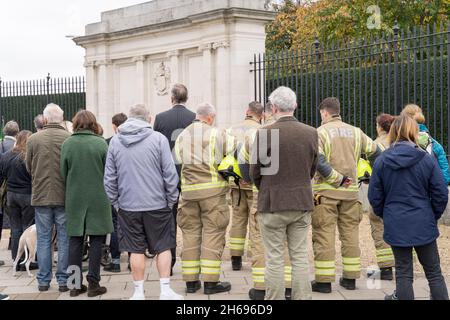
(284, 162)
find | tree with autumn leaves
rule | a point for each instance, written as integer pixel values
(300, 22)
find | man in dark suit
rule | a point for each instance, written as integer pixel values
(171, 123)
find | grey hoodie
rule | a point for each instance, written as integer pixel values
(140, 174)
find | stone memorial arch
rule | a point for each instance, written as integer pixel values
(136, 53)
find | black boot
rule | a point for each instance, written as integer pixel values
(236, 263)
(288, 294)
(387, 274)
(257, 295)
(349, 284)
(321, 287)
(95, 290)
(76, 292)
(112, 267)
(216, 287)
(193, 286)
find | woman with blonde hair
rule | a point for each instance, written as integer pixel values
(408, 192)
(426, 141)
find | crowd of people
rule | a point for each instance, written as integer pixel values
(281, 177)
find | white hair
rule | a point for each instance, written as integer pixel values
(139, 112)
(206, 109)
(53, 114)
(284, 99)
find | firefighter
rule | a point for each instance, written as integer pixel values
(336, 195)
(241, 197)
(385, 256)
(257, 249)
(203, 213)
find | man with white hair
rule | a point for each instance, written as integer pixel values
(43, 162)
(141, 182)
(283, 163)
(203, 213)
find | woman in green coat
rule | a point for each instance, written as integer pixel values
(88, 210)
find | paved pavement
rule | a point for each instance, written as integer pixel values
(120, 285)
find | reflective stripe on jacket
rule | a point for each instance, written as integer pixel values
(199, 149)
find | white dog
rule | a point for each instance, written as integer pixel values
(28, 245)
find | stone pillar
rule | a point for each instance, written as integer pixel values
(208, 73)
(222, 85)
(105, 94)
(174, 57)
(91, 88)
(140, 79)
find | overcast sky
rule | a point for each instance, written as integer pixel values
(33, 35)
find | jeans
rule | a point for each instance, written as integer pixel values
(95, 256)
(21, 217)
(114, 244)
(46, 219)
(275, 229)
(429, 259)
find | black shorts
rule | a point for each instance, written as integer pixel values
(152, 230)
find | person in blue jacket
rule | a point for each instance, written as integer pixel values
(407, 190)
(434, 147)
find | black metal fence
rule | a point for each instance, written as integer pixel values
(369, 76)
(22, 101)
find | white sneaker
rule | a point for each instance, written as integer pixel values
(137, 297)
(170, 295)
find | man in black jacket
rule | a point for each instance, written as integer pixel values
(171, 123)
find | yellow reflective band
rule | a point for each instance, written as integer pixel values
(190, 263)
(204, 186)
(325, 272)
(210, 271)
(211, 263)
(369, 146)
(325, 264)
(351, 261)
(244, 154)
(351, 268)
(212, 155)
(190, 271)
(258, 271)
(325, 186)
(384, 251)
(386, 259)
(258, 279)
(288, 270)
(237, 240)
(237, 247)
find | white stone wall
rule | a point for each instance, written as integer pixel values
(135, 54)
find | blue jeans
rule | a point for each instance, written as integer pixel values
(46, 218)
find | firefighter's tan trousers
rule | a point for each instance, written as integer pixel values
(203, 224)
(385, 256)
(257, 251)
(239, 221)
(347, 216)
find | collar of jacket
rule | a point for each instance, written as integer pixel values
(85, 132)
(252, 119)
(54, 126)
(179, 106)
(202, 122)
(10, 138)
(287, 118)
(333, 119)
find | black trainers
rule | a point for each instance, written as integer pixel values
(193, 286)
(257, 295)
(112, 267)
(3, 297)
(236, 263)
(76, 292)
(43, 288)
(216, 287)
(349, 284)
(387, 274)
(63, 289)
(288, 294)
(95, 289)
(321, 287)
(391, 296)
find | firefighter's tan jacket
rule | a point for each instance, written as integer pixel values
(237, 136)
(341, 146)
(199, 149)
(383, 141)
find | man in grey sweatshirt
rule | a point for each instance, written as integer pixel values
(141, 182)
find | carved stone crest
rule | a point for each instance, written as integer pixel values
(162, 79)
